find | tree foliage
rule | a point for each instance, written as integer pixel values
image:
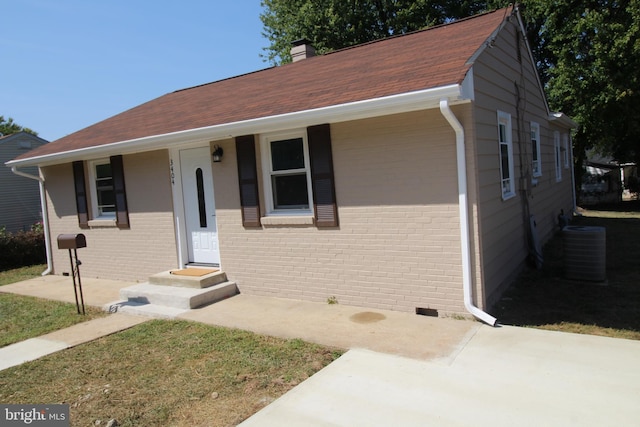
(336, 24)
(587, 52)
(9, 127)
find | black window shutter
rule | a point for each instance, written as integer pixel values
(248, 180)
(122, 213)
(324, 193)
(81, 194)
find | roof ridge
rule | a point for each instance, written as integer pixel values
(395, 36)
(422, 30)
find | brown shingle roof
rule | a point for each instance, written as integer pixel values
(425, 59)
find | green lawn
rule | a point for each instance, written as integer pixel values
(155, 374)
(545, 299)
(19, 274)
(24, 317)
(163, 373)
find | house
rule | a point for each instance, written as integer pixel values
(414, 173)
(602, 181)
(19, 197)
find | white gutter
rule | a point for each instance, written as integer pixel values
(464, 215)
(45, 216)
(405, 102)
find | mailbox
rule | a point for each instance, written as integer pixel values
(71, 241)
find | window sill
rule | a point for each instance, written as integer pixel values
(508, 196)
(102, 223)
(278, 220)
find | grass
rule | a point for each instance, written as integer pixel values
(162, 373)
(24, 317)
(19, 274)
(544, 299)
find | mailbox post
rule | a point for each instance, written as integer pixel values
(73, 242)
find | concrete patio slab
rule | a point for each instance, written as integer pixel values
(502, 377)
(340, 326)
(96, 292)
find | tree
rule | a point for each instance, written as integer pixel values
(587, 52)
(336, 24)
(8, 127)
(588, 55)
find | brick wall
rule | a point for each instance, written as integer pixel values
(133, 254)
(397, 246)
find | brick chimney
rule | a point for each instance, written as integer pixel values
(302, 49)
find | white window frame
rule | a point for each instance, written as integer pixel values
(95, 209)
(565, 146)
(536, 156)
(268, 172)
(558, 155)
(508, 186)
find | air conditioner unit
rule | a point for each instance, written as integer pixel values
(585, 253)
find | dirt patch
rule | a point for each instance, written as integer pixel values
(367, 317)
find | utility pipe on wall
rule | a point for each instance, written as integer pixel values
(464, 215)
(45, 216)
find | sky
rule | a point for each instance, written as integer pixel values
(67, 64)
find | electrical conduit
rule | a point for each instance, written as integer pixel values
(45, 216)
(464, 215)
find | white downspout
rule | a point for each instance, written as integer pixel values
(464, 215)
(45, 216)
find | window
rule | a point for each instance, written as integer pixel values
(558, 155)
(103, 197)
(536, 166)
(288, 178)
(506, 155)
(298, 178)
(106, 189)
(566, 151)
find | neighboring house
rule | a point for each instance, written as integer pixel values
(399, 174)
(19, 197)
(602, 181)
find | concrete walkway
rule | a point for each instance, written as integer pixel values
(502, 377)
(35, 348)
(404, 369)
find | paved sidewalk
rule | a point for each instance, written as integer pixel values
(503, 376)
(97, 292)
(341, 326)
(35, 348)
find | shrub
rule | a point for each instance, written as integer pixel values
(22, 248)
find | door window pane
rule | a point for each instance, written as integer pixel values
(202, 207)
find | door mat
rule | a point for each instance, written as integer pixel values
(194, 272)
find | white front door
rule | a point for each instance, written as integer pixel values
(199, 206)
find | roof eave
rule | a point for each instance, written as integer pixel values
(563, 119)
(394, 104)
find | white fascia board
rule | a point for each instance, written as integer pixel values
(401, 103)
(563, 119)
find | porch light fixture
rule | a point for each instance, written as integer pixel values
(217, 153)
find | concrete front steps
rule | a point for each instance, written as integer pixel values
(168, 295)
